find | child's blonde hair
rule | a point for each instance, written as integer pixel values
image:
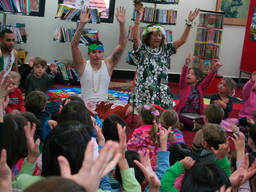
(149, 115)
(15, 75)
(169, 118)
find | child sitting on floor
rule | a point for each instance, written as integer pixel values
(16, 101)
(192, 85)
(223, 98)
(39, 79)
(249, 102)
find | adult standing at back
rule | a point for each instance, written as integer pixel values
(95, 73)
(151, 54)
(9, 60)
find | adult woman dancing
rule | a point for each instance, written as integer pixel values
(151, 84)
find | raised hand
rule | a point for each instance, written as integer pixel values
(150, 175)
(33, 148)
(163, 137)
(5, 173)
(31, 62)
(4, 85)
(222, 150)
(187, 162)
(216, 66)
(99, 135)
(92, 171)
(85, 16)
(193, 15)
(121, 15)
(188, 59)
(224, 189)
(53, 67)
(122, 139)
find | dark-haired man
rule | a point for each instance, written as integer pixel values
(95, 73)
(9, 62)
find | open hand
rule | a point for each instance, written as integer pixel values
(193, 15)
(222, 150)
(216, 66)
(5, 173)
(85, 15)
(120, 15)
(53, 67)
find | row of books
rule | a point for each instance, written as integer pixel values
(209, 35)
(162, 1)
(204, 64)
(151, 15)
(211, 20)
(20, 6)
(19, 31)
(63, 34)
(207, 51)
(67, 72)
(168, 33)
(69, 12)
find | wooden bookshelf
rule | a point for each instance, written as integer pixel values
(208, 39)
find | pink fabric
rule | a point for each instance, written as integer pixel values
(226, 123)
(178, 181)
(249, 100)
(186, 88)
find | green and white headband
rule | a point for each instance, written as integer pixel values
(154, 28)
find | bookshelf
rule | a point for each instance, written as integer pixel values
(19, 31)
(63, 34)
(67, 71)
(208, 39)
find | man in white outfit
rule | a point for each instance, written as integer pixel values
(95, 74)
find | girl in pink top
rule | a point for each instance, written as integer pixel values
(249, 102)
(146, 137)
(192, 85)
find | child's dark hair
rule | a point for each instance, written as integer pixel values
(252, 133)
(70, 140)
(13, 138)
(75, 111)
(73, 98)
(57, 184)
(214, 135)
(31, 118)
(109, 128)
(40, 61)
(130, 157)
(35, 101)
(204, 176)
(148, 117)
(198, 73)
(231, 84)
(214, 113)
(169, 118)
(178, 151)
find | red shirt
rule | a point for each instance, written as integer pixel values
(16, 101)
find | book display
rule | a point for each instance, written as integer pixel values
(68, 73)
(208, 39)
(63, 34)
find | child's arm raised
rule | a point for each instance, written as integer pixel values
(185, 69)
(249, 86)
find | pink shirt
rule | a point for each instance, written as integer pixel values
(249, 100)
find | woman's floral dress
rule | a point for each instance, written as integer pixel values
(151, 84)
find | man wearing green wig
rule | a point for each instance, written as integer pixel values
(95, 73)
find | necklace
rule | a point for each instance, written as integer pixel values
(99, 80)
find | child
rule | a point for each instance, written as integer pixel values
(39, 79)
(192, 86)
(16, 101)
(226, 87)
(249, 101)
(147, 136)
(35, 103)
(169, 118)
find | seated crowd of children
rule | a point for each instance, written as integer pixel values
(73, 150)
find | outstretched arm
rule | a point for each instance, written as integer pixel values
(136, 27)
(183, 38)
(76, 52)
(112, 60)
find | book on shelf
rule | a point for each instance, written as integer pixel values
(63, 34)
(16, 6)
(69, 12)
(63, 70)
(161, 16)
(161, 1)
(211, 20)
(67, 71)
(206, 50)
(203, 63)
(209, 35)
(19, 31)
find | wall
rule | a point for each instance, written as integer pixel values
(41, 29)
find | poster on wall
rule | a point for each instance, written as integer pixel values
(253, 26)
(101, 5)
